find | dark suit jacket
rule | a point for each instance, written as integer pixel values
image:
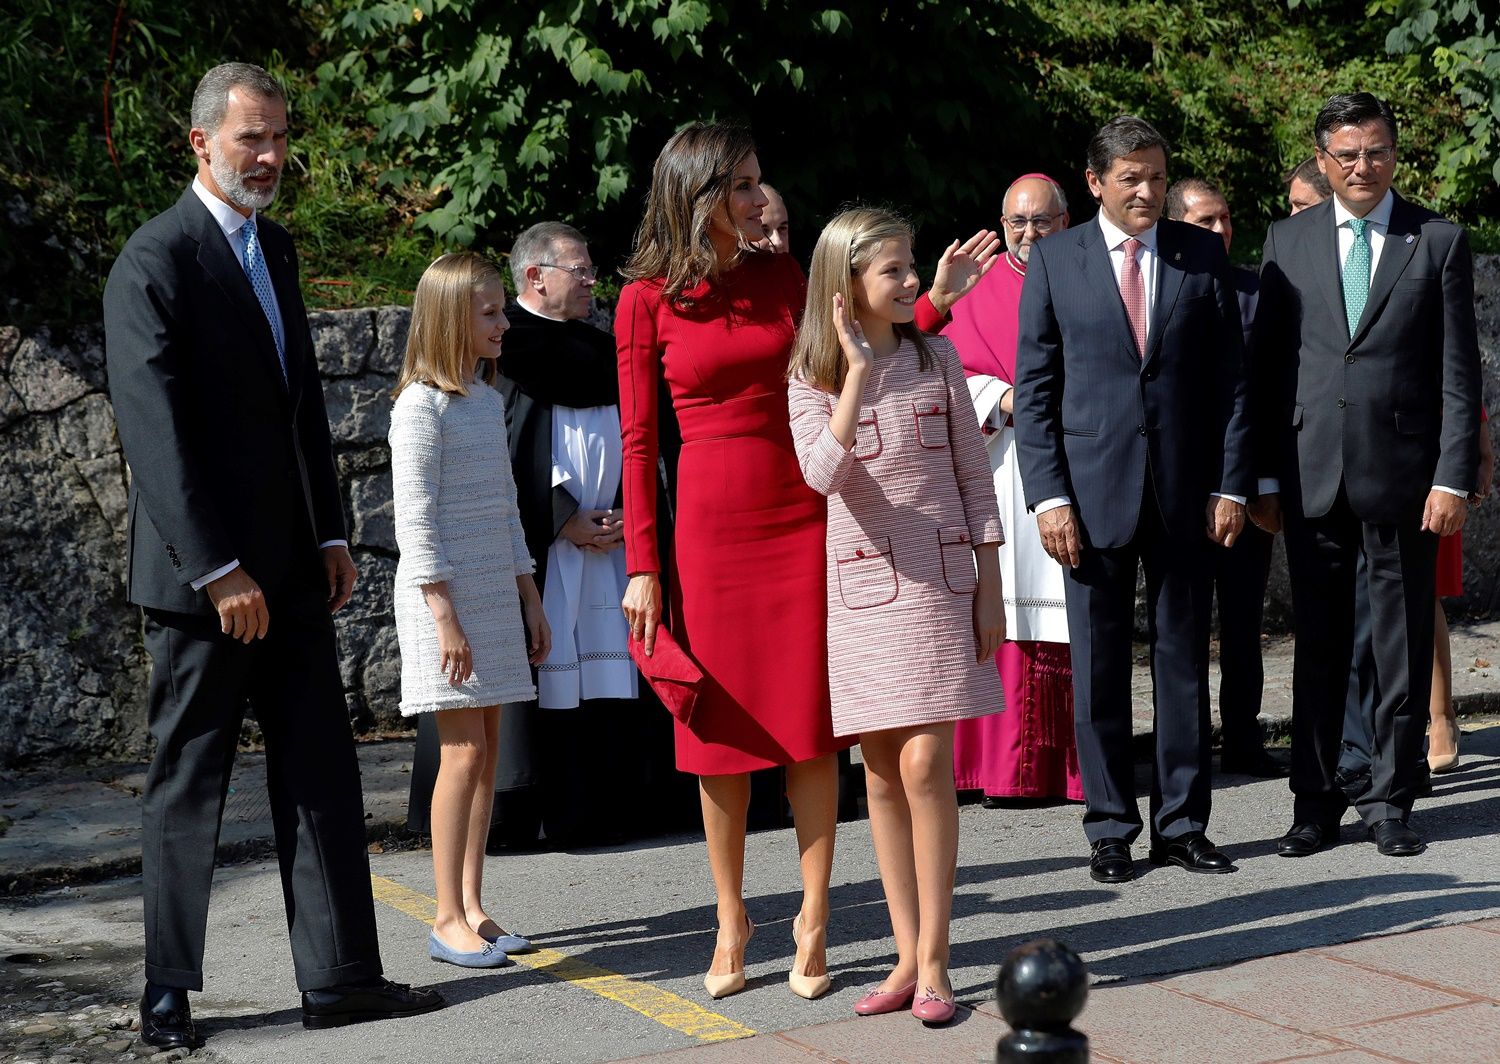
(227, 460)
(1093, 417)
(1390, 412)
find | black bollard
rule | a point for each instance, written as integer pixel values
(1042, 987)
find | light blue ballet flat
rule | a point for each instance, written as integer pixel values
(509, 943)
(492, 956)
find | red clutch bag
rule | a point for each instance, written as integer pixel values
(673, 675)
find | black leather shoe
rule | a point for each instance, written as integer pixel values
(1306, 838)
(169, 1023)
(1109, 862)
(1193, 852)
(338, 1006)
(1395, 839)
(1257, 761)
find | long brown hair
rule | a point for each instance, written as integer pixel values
(693, 175)
(441, 336)
(845, 247)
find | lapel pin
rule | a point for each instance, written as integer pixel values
(1410, 239)
(1177, 257)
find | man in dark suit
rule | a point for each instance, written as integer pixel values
(1133, 440)
(1240, 572)
(1367, 371)
(238, 558)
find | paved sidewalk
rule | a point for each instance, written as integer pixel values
(624, 934)
(59, 826)
(1423, 997)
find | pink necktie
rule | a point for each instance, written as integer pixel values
(1133, 292)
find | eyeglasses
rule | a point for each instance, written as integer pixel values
(586, 274)
(1348, 160)
(1042, 223)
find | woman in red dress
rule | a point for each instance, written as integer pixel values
(715, 321)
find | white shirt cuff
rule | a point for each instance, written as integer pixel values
(1232, 498)
(1268, 486)
(1451, 491)
(1051, 504)
(334, 543)
(223, 570)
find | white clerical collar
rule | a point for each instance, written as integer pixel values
(229, 219)
(1380, 215)
(1114, 236)
(533, 310)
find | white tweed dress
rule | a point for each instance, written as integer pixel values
(457, 520)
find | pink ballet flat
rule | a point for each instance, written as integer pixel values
(932, 1009)
(876, 1003)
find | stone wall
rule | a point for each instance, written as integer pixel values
(72, 667)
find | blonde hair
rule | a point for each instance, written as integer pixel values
(441, 339)
(845, 247)
(692, 176)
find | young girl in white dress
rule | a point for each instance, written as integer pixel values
(468, 615)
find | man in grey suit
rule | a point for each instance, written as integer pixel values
(1133, 442)
(1367, 370)
(237, 556)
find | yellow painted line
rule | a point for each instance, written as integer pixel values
(666, 1008)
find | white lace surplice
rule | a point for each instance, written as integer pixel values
(1034, 605)
(582, 592)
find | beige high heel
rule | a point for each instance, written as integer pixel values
(805, 986)
(1445, 762)
(723, 985)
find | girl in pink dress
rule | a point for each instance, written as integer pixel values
(882, 424)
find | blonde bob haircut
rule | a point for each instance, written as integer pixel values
(441, 339)
(692, 177)
(846, 246)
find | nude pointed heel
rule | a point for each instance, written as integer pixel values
(1446, 762)
(805, 986)
(719, 986)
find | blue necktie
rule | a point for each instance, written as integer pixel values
(1356, 274)
(260, 280)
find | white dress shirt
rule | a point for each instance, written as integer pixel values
(1380, 223)
(230, 221)
(1150, 261)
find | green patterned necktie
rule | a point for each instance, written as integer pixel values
(1357, 274)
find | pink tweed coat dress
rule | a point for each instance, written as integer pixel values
(906, 505)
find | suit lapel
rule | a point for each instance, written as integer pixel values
(1401, 238)
(1169, 277)
(218, 262)
(283, 269)
(1099, 276)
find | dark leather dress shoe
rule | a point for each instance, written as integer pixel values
(338, 1006)
(169, 1023)
(1257, 761)
(1395, 839)
(1193, 852)
(1109, 862)
(1306, 838)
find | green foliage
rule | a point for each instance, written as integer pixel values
(511, 113)
(1458, 40)
(69, 205)
(425, 124)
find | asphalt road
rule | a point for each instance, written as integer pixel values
(627, 933)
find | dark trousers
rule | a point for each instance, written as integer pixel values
(1240, 574)
(200, 683)
(1101, 624)
(1322, 555)
(1364, 688)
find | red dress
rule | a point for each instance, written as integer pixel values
(747, 586)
